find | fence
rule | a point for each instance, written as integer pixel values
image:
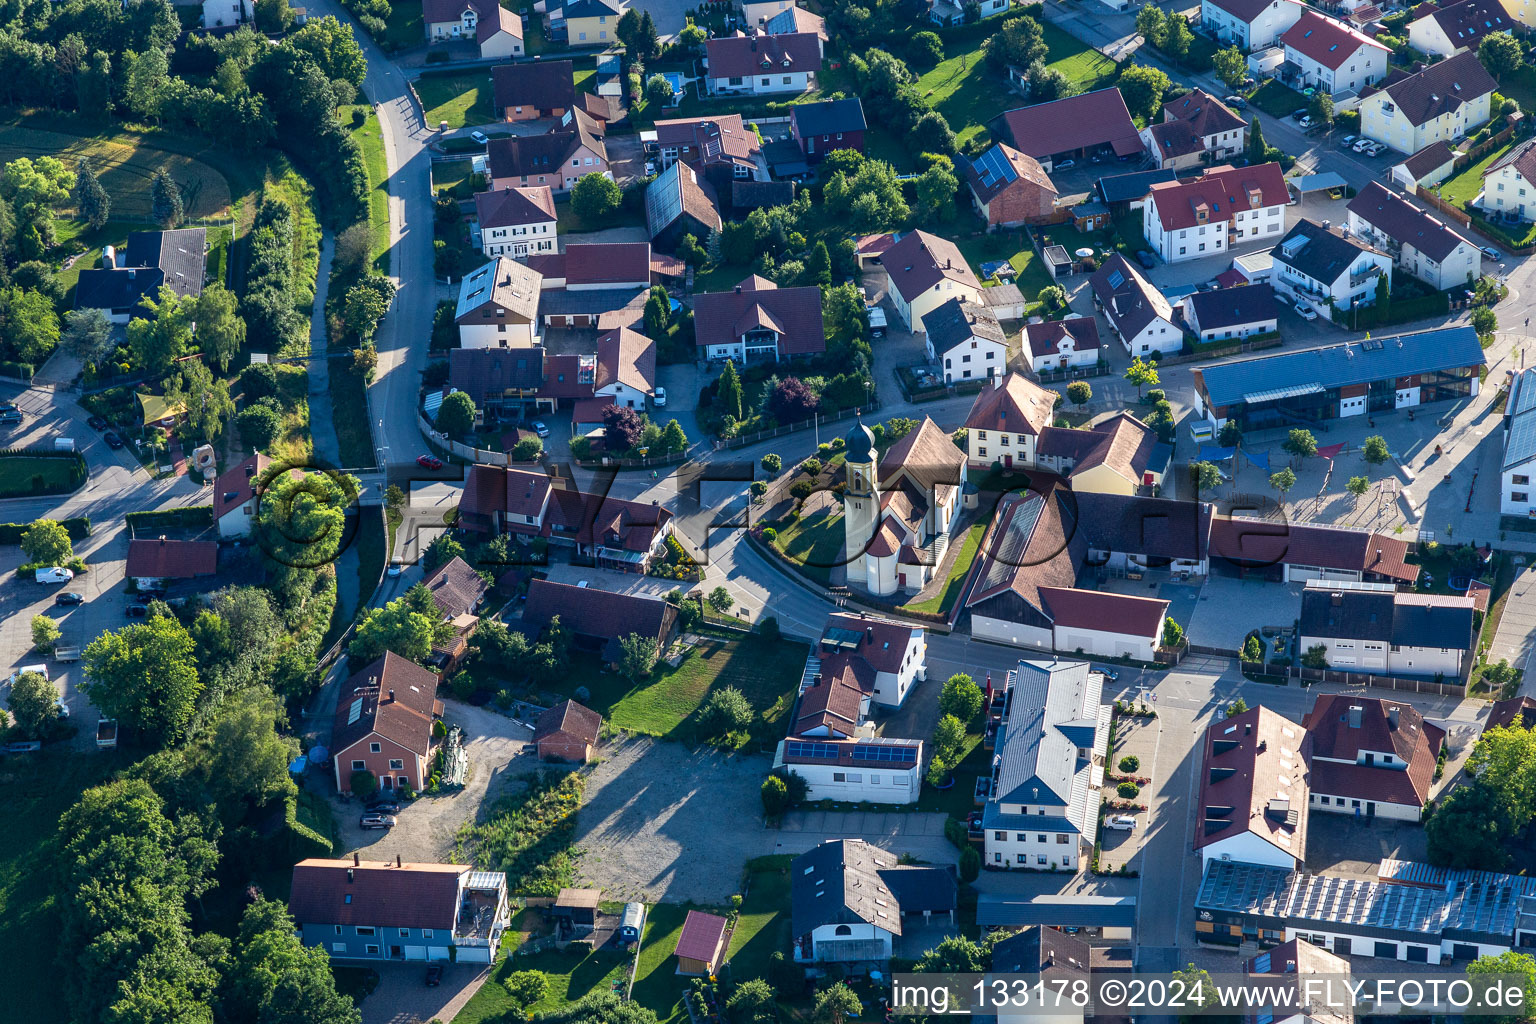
(933, 394)
(1071, 373)
(815, 421)
(1269, 341)
(1364, 679)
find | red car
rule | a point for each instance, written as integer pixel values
(429, 461)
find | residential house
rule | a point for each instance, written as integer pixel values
(967, 341)
(599, 620)
(1120, 455)
(680, 203)
(567, 732)
(1232, 313)
(1442, 103)
(1285, 972)
(1010, 188)
(1094, 123)
(1512, 713)
(393, 911)
(384, 725)
(1443, 31)
(849, 898)
(497, 31)
(498, 306)
(1042, 808)
(456, 588)
(154, 562)
(533, 90)
(721, 148)
(1128, 533)
(1371, 758)
(500, 35)
(896, 653)
(797, 19)
(832, 745)
(819, 128)
(591, 22)
(1096, 919)
(1519, 462)
(1249, 24)
(1140, 314)
(1326, 266)
(1056, 958)
(559, 158)
(516, 222)
(1005, 423)
(504, 385)
(626, 368)
(1220, 210)
(1325, 53)
(1254, 791)
(925, 272)
(1420, 243)
(898, 515)
(225, 13)
(150, 261)
(760, 195)
(701, 944)
(1295, 553)
(759, 321)
(1508, 189)
(235, 498)
(1429, 166)
(1196, 129)
(1067, 344)
(761, 64)
(1369, 627)
(1122, 192)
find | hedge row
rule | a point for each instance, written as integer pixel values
(21, 371)
(78, 529)
(193, 515)
(1400, 311)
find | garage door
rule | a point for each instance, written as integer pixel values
(474, 955)
(415, 952)
(1340, 574)
(437, 952)
(1301, 573)
(1463, 951)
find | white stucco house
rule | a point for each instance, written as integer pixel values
(1519, 465)
(1370, 627)
(1330, 55)
(1322, 265)
(1372, 758)
(927, 271)
(221, 13)
(1444, 102)
(1231, 313)
(966, 341)
(1458, 27)
(896, 651)
(498, 306)
(235, 498)
(849, 900)
(1509, 184)
(1207, 216)
(1249, 24)
(1420, 243)
(1067, 344)
(1139, 313)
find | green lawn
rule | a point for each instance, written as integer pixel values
(945, 599)
(1464, 187)
(571, 975)
(763, 925)
(1030, 275)
(658, 987)
(404, 27)
(377, 165)
(457, 176)
(22, 475)
(960, 799)
(460, 100)
(40, 788)
(568, 221)
(1277, 99)
(814, 543)
(765, 671)
(966, 91)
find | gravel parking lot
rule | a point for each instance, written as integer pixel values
(662, 822)
(427, 826)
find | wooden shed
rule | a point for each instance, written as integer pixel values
(701, 943)
(576, 909)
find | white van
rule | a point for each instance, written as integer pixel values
(54, 574)
(41, 670)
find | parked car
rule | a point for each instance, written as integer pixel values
(136, 611)
(540, 428)
(1146, 259)
(113, 441)
(1491, 252)
(1306, 121)
(479, 137)
(1236, 102)
(1305, 311)
(1348, 140)
(1120, 822)
(95, 422)
(376, 821)
(54, 574)
(41, 670)
(383, 807)
(1064, 165)
(69, 597)
(659, 398)
(434, 975)
(429, 461)
(63, 709)
(1299, 114)
(1360, 145)
(395, 568)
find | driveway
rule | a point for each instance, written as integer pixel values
(662, 822)
(918, 833)
(428, 825)
(403, 997)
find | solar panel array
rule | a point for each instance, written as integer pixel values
(892, 752)
(793, 748)
(994, 166)
(1008, 555)
(1522, 422)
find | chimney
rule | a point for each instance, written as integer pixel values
(869, 634)
(817, 680)
(350, 879)
(1338, 599)
(1392, 717)
(397, 861)
(162, 538)
(738, 289)
(356, 860)
(1355, 713)
(391, 694)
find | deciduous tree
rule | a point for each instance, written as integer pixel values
(145, 676)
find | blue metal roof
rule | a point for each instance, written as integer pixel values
(1520, 418)
(1375, 359)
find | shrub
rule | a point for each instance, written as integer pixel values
(775, 796)
(770, 534)
(1128, 790)
(364, 784)
(1129, 763)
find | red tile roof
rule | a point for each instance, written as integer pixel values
(1219, 195)
(835, 701)
(500, 208)
(1251, 760)
(1515, 713)
(1020, 406)
(1087, 121)
(1257, 542)
(237, 484)
(598, 614)
(1326, 41)
(743, 56)
(884, 644)
(1102, 610)
(794, 312)
(1044, 338)
(171, 559)
(701, 936)
(571, 720)
(393, 697)
(381, 895)
(626, 357)
(455, 587)
(607, 263)
(1411, 740)
(919, 261)
(723, 137)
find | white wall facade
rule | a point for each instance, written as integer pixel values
(1515, 492)
(1066, 356)
(1357, 282)
(1463, 262)
(1363, 945)
(1426, 36)
(984, 447)
(1366, 808)
(1366, 66)
(1002, 631)
(912, 312)
(764, 84)
(519, 240)
(1247, 848)
(217, 13)
(1507, 191)
(876, 784)
(1106, 643)
(1380, 119)
(1012, 850)
(891, 688)
(972, 359)
(831, 932)
(1157, 336)
(237, 521)
(1269, 25)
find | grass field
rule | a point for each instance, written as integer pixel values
(372, 141)
(962, 89)
(814, 543)
(570, 975)
(945, 599)
(403, 27)
(1465, 186)
(459, 100)
(41, 787)
(454, 175)
(1010, 246)
(766, 672)
(22, 475)
(1277, 99)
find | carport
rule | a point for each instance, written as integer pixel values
(1306, 183)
